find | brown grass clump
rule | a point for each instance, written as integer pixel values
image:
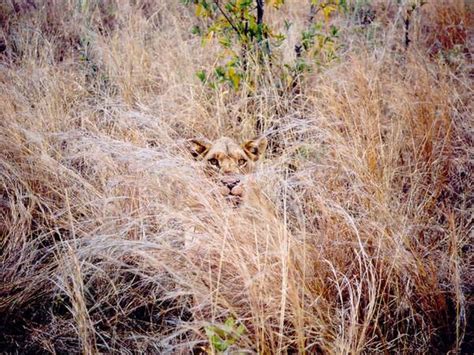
(359, 242)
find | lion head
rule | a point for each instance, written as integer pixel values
(229, 163)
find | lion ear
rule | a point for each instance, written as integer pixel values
(198, 147)
(255, 148)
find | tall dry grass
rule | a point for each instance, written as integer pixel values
(359, 242)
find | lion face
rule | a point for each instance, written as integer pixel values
(228, 163)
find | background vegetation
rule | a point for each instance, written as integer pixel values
(361, 240)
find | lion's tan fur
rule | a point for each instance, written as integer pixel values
(229, 163)
(230, 166)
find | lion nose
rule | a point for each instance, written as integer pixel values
(230, 182)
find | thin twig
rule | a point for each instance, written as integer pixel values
(227, 17)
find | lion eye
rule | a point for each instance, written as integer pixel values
(214, 161)
(242, 162)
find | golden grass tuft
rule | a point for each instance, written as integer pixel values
(359, 240)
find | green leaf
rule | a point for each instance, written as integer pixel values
(230, 322)
(200, 11)
(220, 73)
(225, 41)
(202, 76)
(343, 5)
(243, 4)
(230, 6)
(196, 30)
(318, 26)
(279, 38)
(234, 78)
(207, 37)
(223, 336)
(276, 3)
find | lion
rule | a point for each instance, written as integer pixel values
(228, 163)
(231, 166)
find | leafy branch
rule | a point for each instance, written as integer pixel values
(248, 42)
